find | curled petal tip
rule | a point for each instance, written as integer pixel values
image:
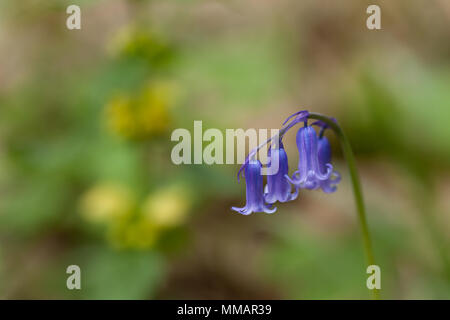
(294, 195)
(244, 211)
(270, 210)
(337, 177)
(295, 183)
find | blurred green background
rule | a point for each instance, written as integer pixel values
(85, 170)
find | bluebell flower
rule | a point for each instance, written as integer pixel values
(278, 188)
(309, 173)
(324, 153)
(314, 168)
(254, 189)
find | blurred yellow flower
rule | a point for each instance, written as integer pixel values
(167, 207)
(130, 226)
(143, 116)
(134, 234)
(139, 42)
(106, 202)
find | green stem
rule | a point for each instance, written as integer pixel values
(357, 191)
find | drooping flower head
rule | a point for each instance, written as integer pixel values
(278, 188)
(309, 174)
(314, 167)
(254, 189)
(314, 171)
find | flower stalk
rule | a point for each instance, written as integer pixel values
(356, 185)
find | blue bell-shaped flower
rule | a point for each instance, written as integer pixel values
(254, 189)
(309, 173)
(324, 154)
(278, 188)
